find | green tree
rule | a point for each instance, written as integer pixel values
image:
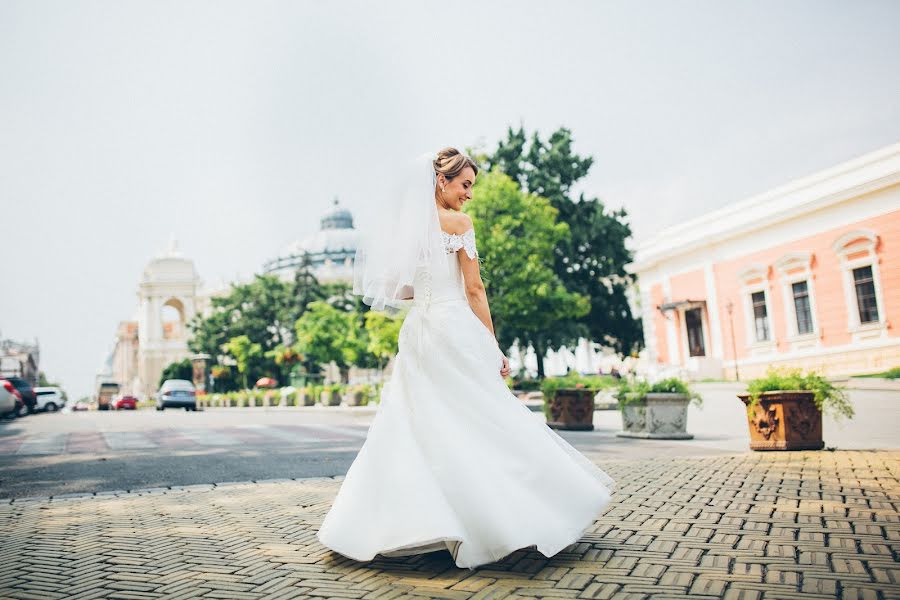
(592, 260)
(181, 369)
(325, 333)
(383, 335)
(517, 235)
(263, 310)
(245, 353)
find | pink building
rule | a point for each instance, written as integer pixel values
(805, 275)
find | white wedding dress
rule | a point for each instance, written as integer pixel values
(452, 459)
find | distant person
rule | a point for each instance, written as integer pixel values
(453, 460)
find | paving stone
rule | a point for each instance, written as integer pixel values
(752, 526)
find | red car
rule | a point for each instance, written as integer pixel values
(126, 403)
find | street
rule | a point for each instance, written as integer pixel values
(92, 451)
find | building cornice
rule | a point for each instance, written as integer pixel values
(869, 173)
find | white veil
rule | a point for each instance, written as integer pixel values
(404, 236)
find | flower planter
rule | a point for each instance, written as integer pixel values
(571, 409)
(353, 398)
(305, 399)
(784, 420)
(330, 398)
(658, 416)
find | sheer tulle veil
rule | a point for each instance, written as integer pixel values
(404, 236)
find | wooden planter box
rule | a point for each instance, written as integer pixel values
(784, 420)
(571, 409)
(658, 416)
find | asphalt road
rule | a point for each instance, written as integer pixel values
(59, 453)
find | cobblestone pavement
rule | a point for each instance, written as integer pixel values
(754, 525)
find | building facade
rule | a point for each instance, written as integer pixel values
(806, 275)
(20, 359)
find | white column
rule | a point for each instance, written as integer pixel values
(712, 309)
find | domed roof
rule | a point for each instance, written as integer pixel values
(336, 235)
(170, 266)
(337, 218)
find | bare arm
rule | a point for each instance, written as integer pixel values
(475, 292)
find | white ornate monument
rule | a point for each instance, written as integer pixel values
(168, 294)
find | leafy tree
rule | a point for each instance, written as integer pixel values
(263, 310)
(517, 236)
(244, 352)
(592, 260)
(383, 336)
(325, 333)
(181, 369)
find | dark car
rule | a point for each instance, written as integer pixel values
(28, 394)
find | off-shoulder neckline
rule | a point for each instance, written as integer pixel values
(463, 233)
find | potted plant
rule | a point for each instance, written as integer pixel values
(656, 411)
(569, 401)
(353, 396)
(305, 397)
(784, 409)
(330, 395)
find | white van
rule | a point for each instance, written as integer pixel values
(49, 399)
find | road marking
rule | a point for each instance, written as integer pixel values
(208, 437)
(350, 431)
(127, 440)
(272, 433)
(44, 443)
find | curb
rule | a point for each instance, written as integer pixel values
(162, 490)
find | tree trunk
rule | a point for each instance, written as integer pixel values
(539, 351)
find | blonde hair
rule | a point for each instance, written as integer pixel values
(450, 162)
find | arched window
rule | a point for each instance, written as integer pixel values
(172, 319)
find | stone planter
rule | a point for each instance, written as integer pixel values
(330, 398)
(658, 416)
(571, 409)
(305, 399)
(353, 398)
(784, 420)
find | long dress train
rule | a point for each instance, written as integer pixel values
(452, 458)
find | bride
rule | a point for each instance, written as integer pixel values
(452, 459)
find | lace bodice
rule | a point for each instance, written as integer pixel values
(430, 289)
(465, 240)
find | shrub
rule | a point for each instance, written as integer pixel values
(634, 390)
(827, 396)
(593, 383)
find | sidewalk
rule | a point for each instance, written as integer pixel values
(755, 525)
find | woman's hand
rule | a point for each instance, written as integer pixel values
(504, 370)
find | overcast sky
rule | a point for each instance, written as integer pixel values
(232, 125)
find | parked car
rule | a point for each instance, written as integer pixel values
(49, 399)
(176, 393)
(11, 403)
(28, 395)
(82, 405)
(125, 403)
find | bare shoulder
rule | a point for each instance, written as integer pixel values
(456, 222)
